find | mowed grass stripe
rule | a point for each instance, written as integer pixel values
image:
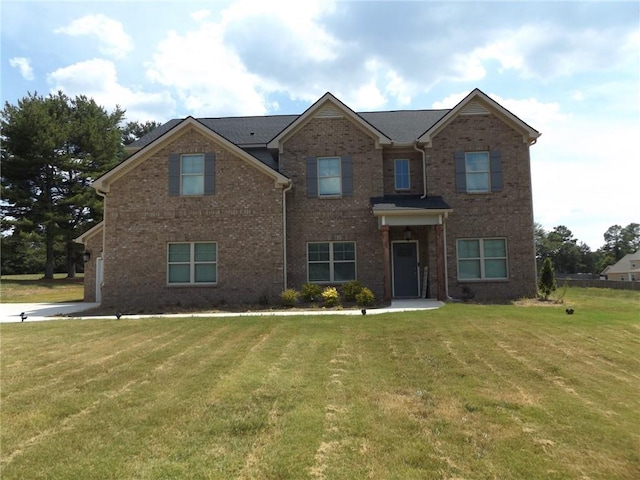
(468, 391)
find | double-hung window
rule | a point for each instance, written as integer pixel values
(192, 174)
(478, 172)
(192, 263)
(482, 259)
(331, 261)
(401, 174)
(329, 176)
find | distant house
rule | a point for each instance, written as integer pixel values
(412, 203)
(626, 269)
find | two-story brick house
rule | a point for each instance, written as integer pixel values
(411, 203)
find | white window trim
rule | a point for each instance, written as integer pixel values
(329, 195)
(467, 173)
(395, 174)
(183, 175)
(332, 262)
(192, 263)
(482, 259)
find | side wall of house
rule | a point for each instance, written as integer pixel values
(505, 214)
(243, 216)
(348, 218)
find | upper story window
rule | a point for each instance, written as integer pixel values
(401, 174)
(482, 258)
(192, 263)
(478, 172)
(329, 177)
(191, 174)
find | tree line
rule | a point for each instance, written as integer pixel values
(570, 256)
(52, 148)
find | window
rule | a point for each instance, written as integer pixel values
(192, 263)
(401, 173)
(329, 176)
(482, 259)
(192, 175)
(478, 172)
(331, 261)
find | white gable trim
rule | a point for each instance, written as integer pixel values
(103, 183)
(328, 106)
(478, 103)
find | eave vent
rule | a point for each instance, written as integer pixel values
(475, 108)
(329, 111)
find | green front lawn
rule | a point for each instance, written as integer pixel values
(466, 391)
(34, 289)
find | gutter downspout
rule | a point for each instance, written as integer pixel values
(104, 215)
(424, 169)
(104, 236)
(284, 233)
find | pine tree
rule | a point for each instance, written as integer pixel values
(547, 283)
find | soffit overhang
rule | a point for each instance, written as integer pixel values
(478, 103)
(103, 184)
(328, 106)
(93, 231)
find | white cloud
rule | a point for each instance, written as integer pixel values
(112, 39)
(97, 79)
(24, 65)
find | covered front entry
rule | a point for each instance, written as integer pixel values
(405, 268)
(401, 275)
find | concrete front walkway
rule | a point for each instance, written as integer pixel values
(10, 312)
(36, 312)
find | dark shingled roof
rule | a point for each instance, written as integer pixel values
(412, 201)
(403, 126)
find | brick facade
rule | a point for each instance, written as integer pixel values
(245, 214)
(244, 217)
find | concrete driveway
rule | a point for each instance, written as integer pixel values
(35, 312)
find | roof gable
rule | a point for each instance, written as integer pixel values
(478, 103)
(328, 106)
(103, 183)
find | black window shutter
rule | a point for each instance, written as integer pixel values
(209, 173)
(174, 174)
(312, 177)
(347, 176)
(496, 171)
(461, 173)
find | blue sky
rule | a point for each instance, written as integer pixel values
(569, 69)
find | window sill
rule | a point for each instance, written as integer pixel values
(483, 280)
(187, 285)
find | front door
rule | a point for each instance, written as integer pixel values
(405, 269)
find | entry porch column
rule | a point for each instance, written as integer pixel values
(386, 262)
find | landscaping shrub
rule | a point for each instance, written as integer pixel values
(365, 297)
(289, 297)
(311, 292)
(351, 289)
(331, 297)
